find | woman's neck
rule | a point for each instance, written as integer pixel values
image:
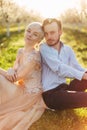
(28, 49)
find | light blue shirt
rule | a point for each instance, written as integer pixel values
(57, 66)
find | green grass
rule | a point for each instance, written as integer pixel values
(8, 49)
(62, 120)
(73, 119)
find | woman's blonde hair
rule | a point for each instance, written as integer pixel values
(39, 27)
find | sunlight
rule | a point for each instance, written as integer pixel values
(48, 8)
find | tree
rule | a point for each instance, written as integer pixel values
(6, 11)
(83, 10)
(71, 16)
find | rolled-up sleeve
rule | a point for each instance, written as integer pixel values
(73, 61)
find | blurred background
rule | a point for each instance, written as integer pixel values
(17, 13)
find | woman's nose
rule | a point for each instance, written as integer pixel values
(29, 34)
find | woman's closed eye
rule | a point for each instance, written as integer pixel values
(36, 34)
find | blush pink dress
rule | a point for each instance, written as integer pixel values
(21, 105)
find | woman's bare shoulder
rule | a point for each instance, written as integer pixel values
(20, 51)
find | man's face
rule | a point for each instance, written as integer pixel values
(52, 33)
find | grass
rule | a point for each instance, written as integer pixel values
(60, 120)
(72, 119)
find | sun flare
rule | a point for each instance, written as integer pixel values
(48, 8)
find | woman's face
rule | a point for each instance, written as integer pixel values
(32, 34)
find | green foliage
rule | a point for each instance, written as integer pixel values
(8, 57)
(8, 49)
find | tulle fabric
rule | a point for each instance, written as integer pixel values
(19, 110)
(19, 113)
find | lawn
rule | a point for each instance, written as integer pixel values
(72, 119)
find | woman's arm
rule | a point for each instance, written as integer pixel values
(11, 72)
(17, 61)
(6, 74)
(3, 72)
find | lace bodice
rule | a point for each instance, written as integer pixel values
(33, 80)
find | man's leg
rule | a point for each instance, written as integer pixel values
(77, 85)
(64, 99)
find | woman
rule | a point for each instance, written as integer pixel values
(20, 87)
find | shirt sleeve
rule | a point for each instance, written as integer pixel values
(58, 66)
(73, 61)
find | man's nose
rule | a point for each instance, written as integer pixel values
(49, 36)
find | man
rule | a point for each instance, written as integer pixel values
(59, 62)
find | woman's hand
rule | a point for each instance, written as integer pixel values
(11, 75)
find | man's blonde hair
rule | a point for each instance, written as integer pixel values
(51, 20)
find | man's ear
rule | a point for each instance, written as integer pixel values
(60, 32)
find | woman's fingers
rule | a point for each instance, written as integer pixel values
(11, 75)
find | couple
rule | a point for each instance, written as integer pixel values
(25, 94)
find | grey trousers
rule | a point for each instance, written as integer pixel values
(67, 96)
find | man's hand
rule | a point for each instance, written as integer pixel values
(85, 76)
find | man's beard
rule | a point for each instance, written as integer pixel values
(55, 43)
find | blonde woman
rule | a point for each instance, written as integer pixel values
(21, 103)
